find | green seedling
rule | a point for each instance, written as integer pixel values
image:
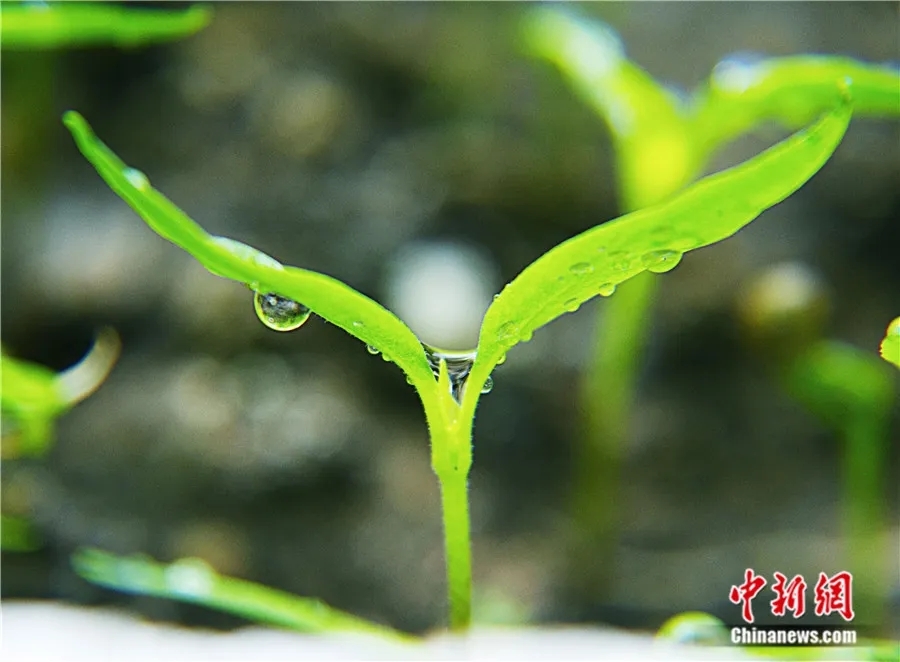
(33, 396)
(662, 143)
(38, 26)
(590, 264)
(784, 312)
(194, 581)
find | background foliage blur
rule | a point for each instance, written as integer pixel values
(415, 152)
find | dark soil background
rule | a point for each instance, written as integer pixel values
(413, 151)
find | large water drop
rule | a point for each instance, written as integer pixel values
(136, 178)
(279, 313)
(606, 289)
(459, 365)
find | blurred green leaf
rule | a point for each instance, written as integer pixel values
(341, 305)
(739, 95)
(841, 384)
(194, 581)
(59, 25)
(653, 239)
(654, 154)
(17, 535)
(890, 346)
(32, 396)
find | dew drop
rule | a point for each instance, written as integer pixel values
(581, 268)
(358, 324)
(501, 360)
(526, 337)
(372, 350)
(606, 289)
(572, 305)
(459, 364)
(739, 72)
(279, 313)
(488, 385)
(659, 262)
(136, 178)
(190, 577)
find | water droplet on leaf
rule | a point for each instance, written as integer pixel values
(358, 325)
(581, 268)
(739, 72)
(459, 364)
(372, 350)
(190, 577)
(279, 313)
(606, 289)
(572, 305)
(136, 178)
(488, 385)
(659, 262)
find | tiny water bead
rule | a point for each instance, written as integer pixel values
(581, 268)
(279, 313)
(572, 305)
(488, 385)
(136, 178)
(606, 289)
(372, 350)
(659, 262)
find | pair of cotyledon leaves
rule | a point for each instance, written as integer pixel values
(559, 281)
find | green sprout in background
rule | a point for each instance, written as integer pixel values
(662, 143)
(39, 25)
(851, 391)
(32, 397)
(194, 580)
(594, 262)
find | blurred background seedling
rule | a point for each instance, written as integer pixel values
(663, 140)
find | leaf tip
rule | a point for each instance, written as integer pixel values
(72, 119)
